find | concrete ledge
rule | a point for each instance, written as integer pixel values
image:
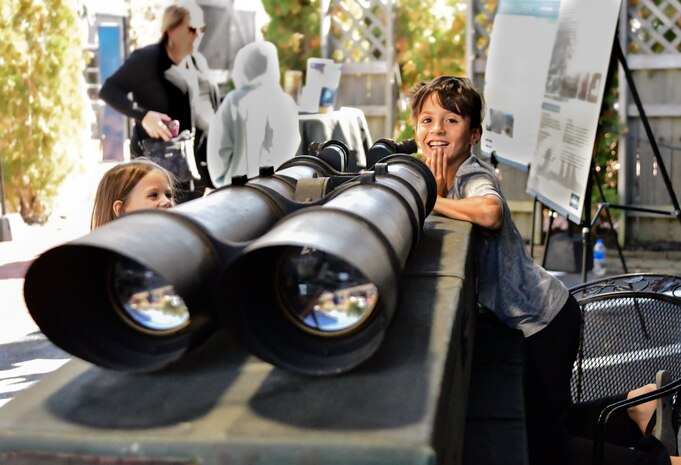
(220, 405)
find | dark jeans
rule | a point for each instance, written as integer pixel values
(624, 443)
(549, 357)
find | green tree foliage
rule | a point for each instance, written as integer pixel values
(429, 38)
(145, 22)
(294, 28)
(610, 129)
(430, 42)
(43, 103)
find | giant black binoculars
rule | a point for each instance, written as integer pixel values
(308, 282)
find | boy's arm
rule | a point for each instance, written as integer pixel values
(485, 210)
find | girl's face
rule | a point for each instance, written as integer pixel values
(152, 191)
(440, 130)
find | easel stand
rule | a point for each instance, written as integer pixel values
(587, 223)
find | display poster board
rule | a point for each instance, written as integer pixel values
(552, 117)
(515, 76)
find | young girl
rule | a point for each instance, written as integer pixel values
(135, 185)
(447, 114)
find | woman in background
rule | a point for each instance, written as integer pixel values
(169, 80)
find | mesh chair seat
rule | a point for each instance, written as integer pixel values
(631, 328)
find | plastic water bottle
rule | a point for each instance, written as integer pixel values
(599, 258)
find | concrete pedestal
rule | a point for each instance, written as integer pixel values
(220, 405)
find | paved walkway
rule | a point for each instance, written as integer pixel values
(637, 261)
(25, 354)
(70, 220)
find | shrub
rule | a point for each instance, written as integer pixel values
(44, 107)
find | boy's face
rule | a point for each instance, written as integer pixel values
(440, 130)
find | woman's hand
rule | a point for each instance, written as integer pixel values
(155, 125)
(437, 162)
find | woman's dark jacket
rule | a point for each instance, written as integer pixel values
(142, 75)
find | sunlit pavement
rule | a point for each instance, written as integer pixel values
(25, 354)
(24, 362)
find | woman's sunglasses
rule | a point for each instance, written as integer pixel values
(194, 29)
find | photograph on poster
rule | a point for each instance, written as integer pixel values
(499, 122)
(583, 86)
(593, 95)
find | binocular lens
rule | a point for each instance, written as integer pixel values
(323, 294)
(146, 299)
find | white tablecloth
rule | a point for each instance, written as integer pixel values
(347, 125)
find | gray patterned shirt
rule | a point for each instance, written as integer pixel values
(510, 284)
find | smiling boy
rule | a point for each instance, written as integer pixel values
(447, 115)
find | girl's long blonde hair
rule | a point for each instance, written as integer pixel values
(117, 183)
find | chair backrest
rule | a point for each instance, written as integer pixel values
(631, 328)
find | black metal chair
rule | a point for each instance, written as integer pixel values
(671, 388)
(631, 328)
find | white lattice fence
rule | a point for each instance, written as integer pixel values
(481, 19)
(359, 34)
(358, 31)
(653, 48)
(654, 26)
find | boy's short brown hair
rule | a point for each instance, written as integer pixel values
(455, 94)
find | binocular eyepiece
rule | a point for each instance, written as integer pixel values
(337, 154)
(385, 147)
(333, 152)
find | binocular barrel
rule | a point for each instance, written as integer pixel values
(308, 286)
(136, 293)
(317, 292)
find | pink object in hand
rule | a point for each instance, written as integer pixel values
(174, 127)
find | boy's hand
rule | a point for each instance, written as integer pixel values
(437, 163)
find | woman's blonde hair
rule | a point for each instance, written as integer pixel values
(172, 17)
(117, 183)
